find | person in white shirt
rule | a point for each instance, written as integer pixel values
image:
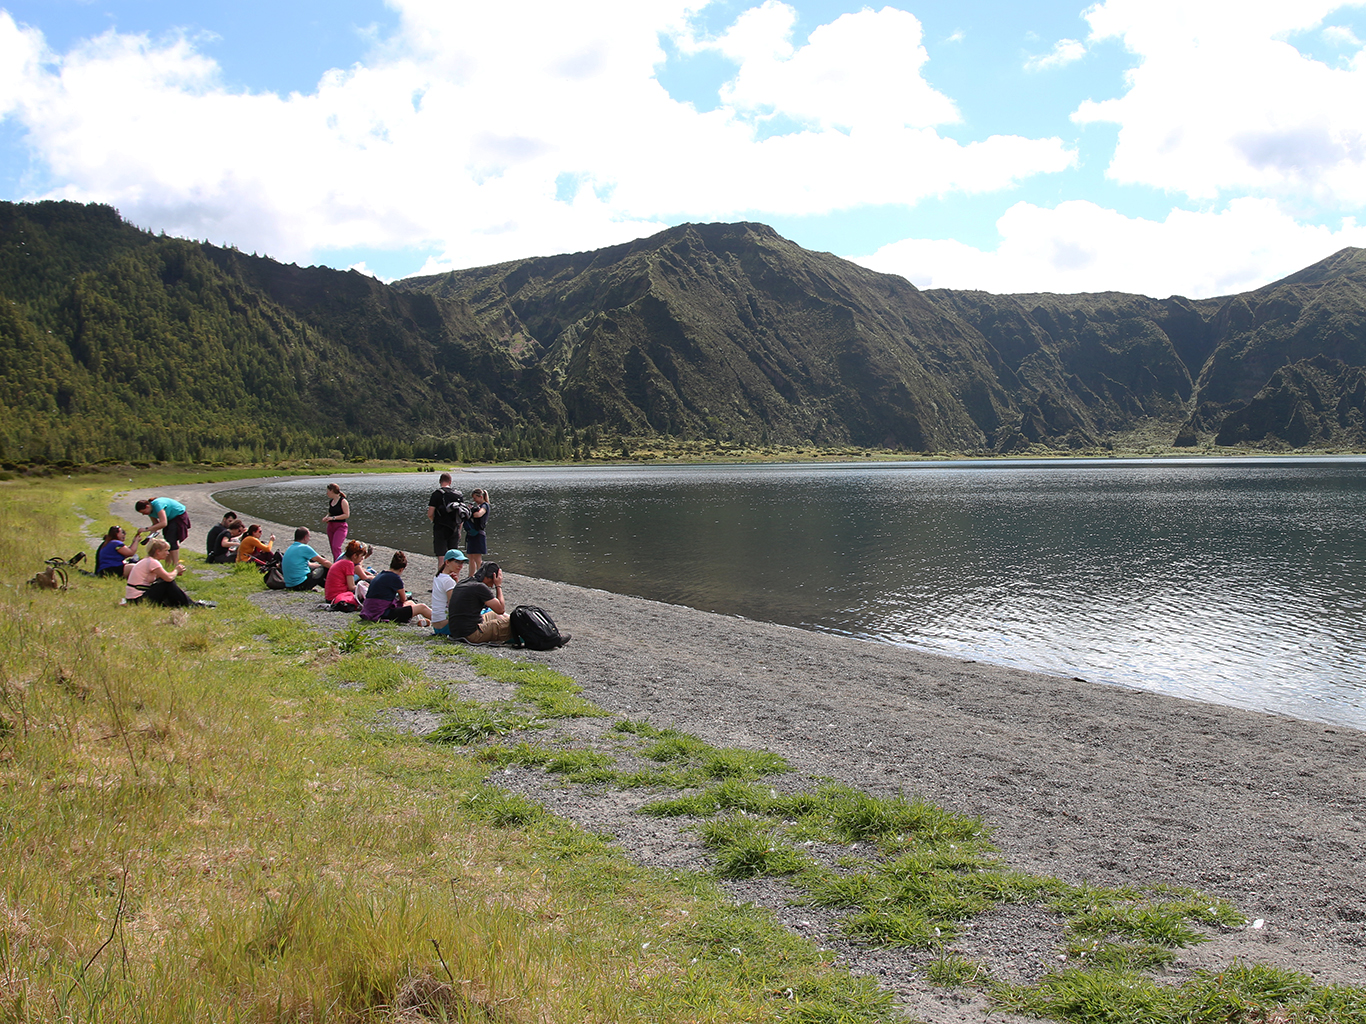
(441, 590)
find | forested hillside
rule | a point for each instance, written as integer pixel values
(116, 343)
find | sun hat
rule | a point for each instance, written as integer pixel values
(454, 555)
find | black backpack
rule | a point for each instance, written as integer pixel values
(536, 629)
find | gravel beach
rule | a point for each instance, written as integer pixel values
(1079, 781)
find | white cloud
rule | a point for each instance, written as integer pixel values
(458, 131)
(861, 69)
(1064, 52)
(1079, 246)
(1341, 35)
(1222, 103)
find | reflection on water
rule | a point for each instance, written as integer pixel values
(1239, 582)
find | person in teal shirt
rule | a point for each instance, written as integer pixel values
(301, 566)
(170, 517)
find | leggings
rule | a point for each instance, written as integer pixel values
(336, 536)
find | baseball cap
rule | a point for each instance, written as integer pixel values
(455, 555)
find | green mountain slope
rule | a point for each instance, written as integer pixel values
(115, 343)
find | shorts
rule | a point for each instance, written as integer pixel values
(442, 630)
(476, 543)
(444, 538)
(176, 530)
(397, 613)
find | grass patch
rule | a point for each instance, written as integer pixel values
(585, 767)
(553, 693)
(467, 722)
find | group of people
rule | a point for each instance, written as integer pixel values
(472, 609)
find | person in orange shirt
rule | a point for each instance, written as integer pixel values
(252, 548)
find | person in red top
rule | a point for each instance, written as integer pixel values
(339, 588)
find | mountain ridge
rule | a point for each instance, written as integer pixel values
(702, 331)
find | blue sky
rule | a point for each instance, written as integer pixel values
(1158, 146)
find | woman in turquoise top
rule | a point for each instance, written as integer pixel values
(170, 517)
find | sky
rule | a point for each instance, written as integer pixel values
(1187, 147)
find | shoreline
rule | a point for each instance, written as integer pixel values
(1079, 780)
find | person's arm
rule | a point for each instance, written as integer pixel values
(496, 604)
(346, 512)
(431, 512)
(126, 551)
(158, 522)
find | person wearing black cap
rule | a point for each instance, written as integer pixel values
(478, 613)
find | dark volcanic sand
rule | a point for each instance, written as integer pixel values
(1079, 781)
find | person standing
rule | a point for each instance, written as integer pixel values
(171, 518)
(476, 543)
(469, 620)
(445, 526)
(338, 514)
(302, 567)
(441, 591)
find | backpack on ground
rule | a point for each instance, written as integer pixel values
(536, 629)
(275, 577)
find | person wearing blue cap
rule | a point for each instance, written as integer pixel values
(441, 590)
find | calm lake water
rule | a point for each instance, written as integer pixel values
(1241, 582)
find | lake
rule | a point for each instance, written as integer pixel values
(1236, 581)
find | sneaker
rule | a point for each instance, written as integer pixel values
(205, 604)
(564, 639)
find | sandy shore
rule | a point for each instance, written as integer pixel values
(1080, 781)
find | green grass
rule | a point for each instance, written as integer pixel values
(202, 824)
(554, 694)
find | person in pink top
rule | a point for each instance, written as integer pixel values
(151, 582)
(339, 588)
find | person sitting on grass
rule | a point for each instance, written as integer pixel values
(441, 590)
(151, 582)
(478, 614)
(302, 567)
(228, 542)
(387, 601)
(115, 555)
(340, 586)
(253, 549)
